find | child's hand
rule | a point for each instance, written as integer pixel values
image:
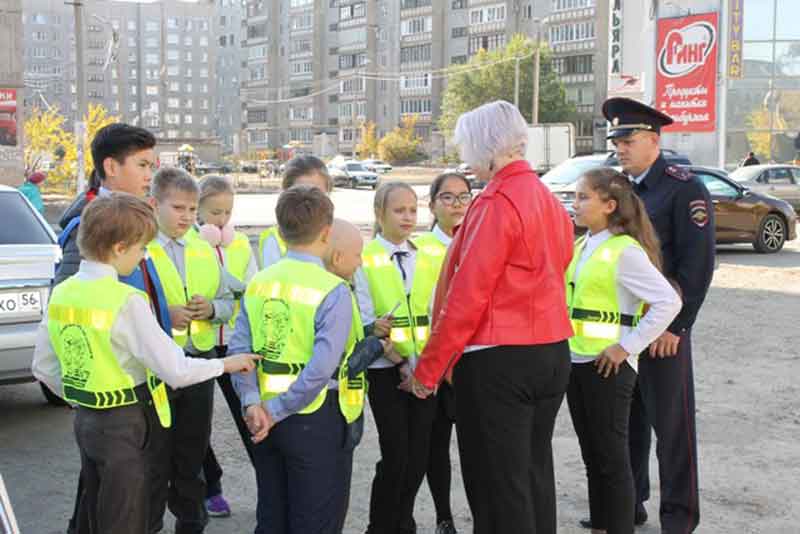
(240, 363)
(201, 308)
(259, 422)
(382, 327)
(180, 317)
(387, 345)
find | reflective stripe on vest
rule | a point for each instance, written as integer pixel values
(80, 317)
(202, 278)
(592, 297)
(262, 239)
(237, 258)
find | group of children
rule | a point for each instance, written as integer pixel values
(166, 290)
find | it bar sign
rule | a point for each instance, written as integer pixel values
(686, 72)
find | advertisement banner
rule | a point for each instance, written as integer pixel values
(8, 117)
(686, 72)
(735, 66)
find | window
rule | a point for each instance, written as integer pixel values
(204, 40)
(259, 72)
(187, 87)
(204, 88)
(223, 39)
(353, 85)
(134, 90)
(414, 54)
(300, 46)
(40, 36)
(304, 21)
(779, 176)
(187, 56)
(39, 18)
(352, 61)
(416, 25)
(151, 59)
(487, 14)
(131, 42)
(254, 116)
(416, 82)
(204, 73)
(151, 26)
(204, 103)
(188, 72)
(132, 73)
(133, 107)
(576, 31)
(39, 52)
(419, 105)
(301, 3)
(411, 4)
(173, 55)
(257, 31)
(352, 11)
(353, 36)
(459, 4)
(560, 5)
(151, 42)
(188, 103)
(257, 52)
(173, 70)
(187, 40)
(131, 25)
(172, 23)
(717, 187)
(302, 67)
(458, 60)
(346, 109)
(486, 42)
(173, 103)
(583, 64)
(114, 90)
(187, 119)
(301, 113)
(174, 87)
(459, 32)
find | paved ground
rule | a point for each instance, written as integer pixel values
(746, 363)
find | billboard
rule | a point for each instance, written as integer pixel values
(8, 117)
(686, 72)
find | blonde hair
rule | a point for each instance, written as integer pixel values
(382, 195)
(169, 178)
(118, 218)
(214, 184)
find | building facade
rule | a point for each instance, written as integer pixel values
(11, 87)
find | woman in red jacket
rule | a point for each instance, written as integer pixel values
(501, 304)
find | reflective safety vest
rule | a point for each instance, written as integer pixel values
(202, 278)
(282, 303)
(237, 258)
(592, 297)
(80, 316)
(411, 325)
(262, 240)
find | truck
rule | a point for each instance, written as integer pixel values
(549, 145)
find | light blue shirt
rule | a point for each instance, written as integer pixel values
(638, 179)
(332, 323)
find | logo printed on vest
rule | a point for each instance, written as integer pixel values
(77, 353)
(276, 328)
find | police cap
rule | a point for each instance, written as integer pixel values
(628, 116)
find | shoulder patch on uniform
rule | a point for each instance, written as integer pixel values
(698, 212)
(678, 173)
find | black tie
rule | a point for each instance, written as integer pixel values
(399, 255)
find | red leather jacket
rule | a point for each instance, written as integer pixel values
(503, 280)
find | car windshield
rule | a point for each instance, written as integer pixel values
(745, 174)
(569, 171)
(27, 229)
(354, 167)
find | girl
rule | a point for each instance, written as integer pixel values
(302, 170)
(237, 260)
(614, 272)
(393, 288)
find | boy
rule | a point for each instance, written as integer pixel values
(197, 298)
(302, 318)
(100, 347)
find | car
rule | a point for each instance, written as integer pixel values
(352, 173)
(376, 165)
(782, 181)
(248, 167)
(212, 168)
(339, 176)
(28, 256)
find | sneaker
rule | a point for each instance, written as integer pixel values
(446, 527)
(217, 506)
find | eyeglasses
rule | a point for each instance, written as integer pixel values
(448, 199)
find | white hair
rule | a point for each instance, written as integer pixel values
(488, 131)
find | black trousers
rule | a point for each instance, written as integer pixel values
(302, 471)
(600, 410)
(115, 497)
(439, 472)
(212, 471)
(391, 409)
(178, 465)
(664, 400)
(422, 414)
(508, 399)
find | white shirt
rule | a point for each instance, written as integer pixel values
(364, 298)
(637, 280)
(443, 238)
(138, 342)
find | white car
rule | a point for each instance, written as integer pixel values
(376, 165)
(28, 255)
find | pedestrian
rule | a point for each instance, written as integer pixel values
(100, 348)
(235, 256)
(199, 301)
(298, 405)
(31, 190)
(614, 272)
(302, 170)
(680, 209)
(500, 302)
(450, 197)
(394, 288)
(751, 159)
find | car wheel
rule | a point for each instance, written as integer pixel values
(374, 186)
(771, 234)
(354, 183)
(52, 398)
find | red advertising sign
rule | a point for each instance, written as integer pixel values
(686, 72)
(8, 117)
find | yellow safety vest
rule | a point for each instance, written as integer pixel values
(80, 316)
(237, 258)
(592, 297)
(202, 278)
(411, 325)
(262, 240)
(282, 302)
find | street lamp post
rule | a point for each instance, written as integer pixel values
(80, 82)
(536, 69)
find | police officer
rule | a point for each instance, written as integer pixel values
(680, 208)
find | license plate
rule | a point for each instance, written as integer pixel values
(20, 303)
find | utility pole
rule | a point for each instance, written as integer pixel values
(80, 82)
(516, 83)
(536, 61)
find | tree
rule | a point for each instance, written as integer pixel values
(368, 146)
(46, 140)
(402, 144)
(490, 76)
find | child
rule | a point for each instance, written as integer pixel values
(614, 271)
(302, 170)
(235, 256)
(100, 347)
(199, 302)
(31, 190)
(302, 318)
(450, 197)
(396, 284)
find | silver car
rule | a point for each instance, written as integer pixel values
(28, 254)
(782, 181)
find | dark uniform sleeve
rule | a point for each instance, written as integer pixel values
(70, 259)
(694, 249)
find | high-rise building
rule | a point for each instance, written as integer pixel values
(11, 134)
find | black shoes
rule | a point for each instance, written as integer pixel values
(446, 527)
(639, 517)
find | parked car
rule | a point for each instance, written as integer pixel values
(28, 255)
(339, 176)
(376, 165)
(464, 169)
(352, 173)
(782, 181)
(212, 168)
(248, 166)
